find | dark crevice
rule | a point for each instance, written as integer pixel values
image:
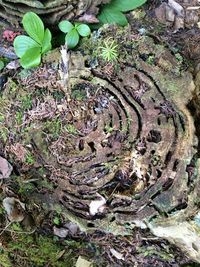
(168, 158)
(154, 136)
(181, 206)
(125, 98)
(166, 186)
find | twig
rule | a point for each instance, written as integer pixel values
(64, 70)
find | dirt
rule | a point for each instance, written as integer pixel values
(107, 163)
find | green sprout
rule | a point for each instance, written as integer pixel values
(73, 32)
(29, 158)
(30, 48)
(109, 50)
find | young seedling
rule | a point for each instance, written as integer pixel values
(30, 48)
(109, 50)
(73, 32)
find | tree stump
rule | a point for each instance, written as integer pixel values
(124, 151)
(132, 149)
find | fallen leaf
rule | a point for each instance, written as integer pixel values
(14, 209)
(72, 227)
(13, 65)
(81, 262)
(5, 168)
(61, 232)
(177, 7)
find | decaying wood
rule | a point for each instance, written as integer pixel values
(126, 153)
(134, 150)
(12, 11)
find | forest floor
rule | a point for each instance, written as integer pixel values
(68, 193)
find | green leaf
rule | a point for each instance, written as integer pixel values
(83, 30)
(109, 15)
(46, 44)
(56, 220)
(72, 38)
(34, 26)
(31, 58)
(125, 5)
(23, 43)
(1, 65)
(65, 26)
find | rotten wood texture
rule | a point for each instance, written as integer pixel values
(133, 143)
(52, 12)
(136, 144)
(179, 14)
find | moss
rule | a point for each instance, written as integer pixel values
(4, 104)
(2, 118)
(101, 47)
(4, 259)
(37, 251)
(25, 73)
(45, 183)
(30, 160)
(108, 129)
(53, 127)
(78, 95)
(58, 95)
(150, 251)
(26, 102)
(172, 88)
(19, 118)
(11, 89)
(70, 128)
(26, 188)
(4, 132)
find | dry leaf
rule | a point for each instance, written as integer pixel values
(81, 262)
(5, 168)
(61, 232)
(14, 209)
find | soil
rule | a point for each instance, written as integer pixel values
(104, 164)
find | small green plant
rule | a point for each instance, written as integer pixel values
(108, 129)
(70, 128)
(1, 65)
(113, 12)
(29, 158)
(19, 117)
(56, 220)
(30, 48)
(73, 32)
(109, 50)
